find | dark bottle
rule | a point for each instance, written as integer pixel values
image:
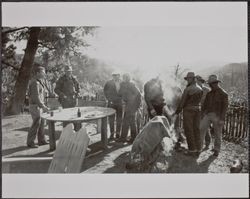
(79, 113)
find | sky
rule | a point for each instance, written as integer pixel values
(151, 35)
(159, 46)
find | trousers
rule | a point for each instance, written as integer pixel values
(217, 127)
(129, 121)
(191, 124)
(117, 117)
(37, 127)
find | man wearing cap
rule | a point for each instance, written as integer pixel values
(190, 103)
(132, 97)
(111, 92)
(154, 97)
(68, 89)
(201, 82)
(36, 93)
(214, 111)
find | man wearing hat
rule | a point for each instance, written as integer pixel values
(36, 92)
(201, 82)
(111, 92)
(214, 111)
(67, 88)
(190, 103)
(132, 97)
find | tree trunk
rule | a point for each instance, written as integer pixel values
(17, 100)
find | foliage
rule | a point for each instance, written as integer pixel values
(58, 46)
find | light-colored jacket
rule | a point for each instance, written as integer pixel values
(36, 93)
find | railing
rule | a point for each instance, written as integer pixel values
(236, 122)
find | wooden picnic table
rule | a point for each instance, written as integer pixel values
(69, 115)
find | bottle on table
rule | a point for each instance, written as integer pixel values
(79, 113)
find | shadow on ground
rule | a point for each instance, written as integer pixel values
(119, 164)
(181, 163)
(98, 154)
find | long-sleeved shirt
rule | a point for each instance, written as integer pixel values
(36, 93)
(191, 97)
(216, 101)
(130, 95)
(111, 91)
(67, 86)
(153, 93)
(205, 92)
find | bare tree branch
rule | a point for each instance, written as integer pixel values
(13, 30)
(46, 46)
(10, 65)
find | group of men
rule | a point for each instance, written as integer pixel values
(67, 88)
(204, 109)
(201, 107)
(117, 92)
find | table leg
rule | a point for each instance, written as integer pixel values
(52, 140)
(104, 137)
(99, 126)
(77, 126)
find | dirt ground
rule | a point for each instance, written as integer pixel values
(113, 159)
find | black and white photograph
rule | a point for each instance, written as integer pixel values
(127, 98)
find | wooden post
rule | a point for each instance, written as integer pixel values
(240, 122)
(245, 122)
(104, 137)
(232, 123)
(237, 118)
(226, 124)
(52, 140)
(99, 125)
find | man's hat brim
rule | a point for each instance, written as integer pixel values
(215, 81)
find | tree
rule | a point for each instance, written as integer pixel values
(50, 46)
(16, 102)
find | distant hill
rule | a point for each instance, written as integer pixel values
(234, 77)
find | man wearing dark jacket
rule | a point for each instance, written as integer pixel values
(214, 111)
(154, 97)
(190, 103)
(132, 98)
(68, 89)
(111, 92)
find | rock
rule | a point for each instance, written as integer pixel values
(237, 166)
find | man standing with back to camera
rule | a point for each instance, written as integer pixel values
(153, 94)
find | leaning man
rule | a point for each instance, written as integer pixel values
(214, 111)
(36, 93)
(190, 104)
(67, 88)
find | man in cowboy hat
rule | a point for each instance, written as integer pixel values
(67, 88)
(190, 103)
(201, 82)
(111, 92)
(214, 111)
